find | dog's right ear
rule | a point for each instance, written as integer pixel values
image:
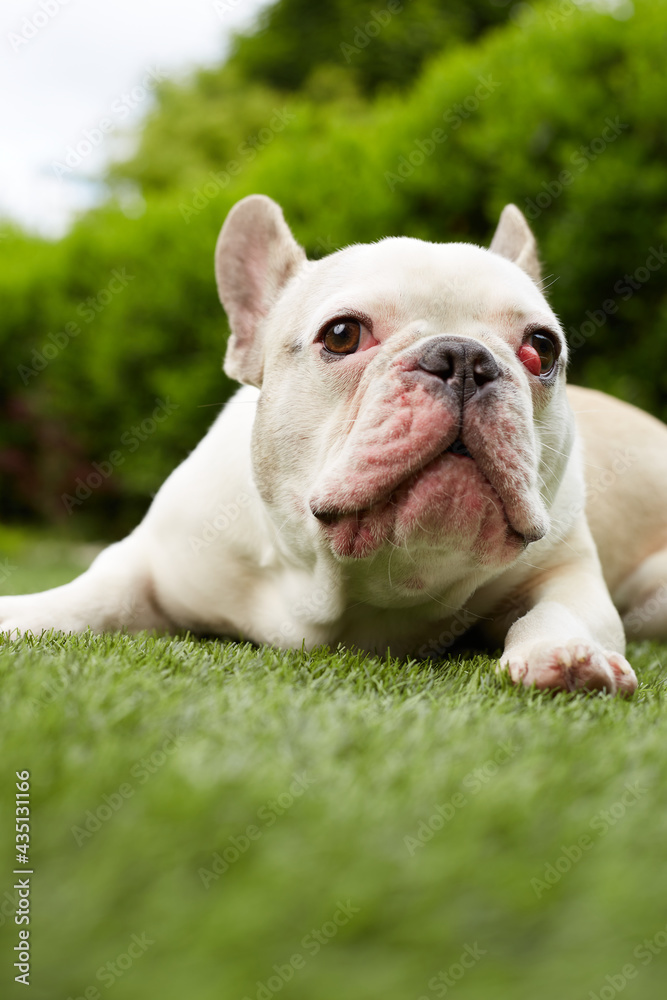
(255, 257)
(514, 240)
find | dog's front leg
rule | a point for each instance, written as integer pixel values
(571, 637)
(116, 592)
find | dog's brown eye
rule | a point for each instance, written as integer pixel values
(538, 353)
(342, 337)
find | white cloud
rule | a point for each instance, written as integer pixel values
(66, 65)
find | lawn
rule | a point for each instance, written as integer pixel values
(213, 820)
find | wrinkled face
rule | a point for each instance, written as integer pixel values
(412, 398)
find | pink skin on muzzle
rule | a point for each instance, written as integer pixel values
(393, 478)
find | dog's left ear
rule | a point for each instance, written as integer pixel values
(255, 257)
(514, 240)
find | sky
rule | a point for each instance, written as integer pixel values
(77, 77)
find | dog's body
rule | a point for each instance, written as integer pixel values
(403, 464)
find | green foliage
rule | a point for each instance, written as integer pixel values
(383, 44)
(196, 127)
(322, 51)
(105, 339)
(515, 107)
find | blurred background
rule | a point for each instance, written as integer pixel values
(129, 130)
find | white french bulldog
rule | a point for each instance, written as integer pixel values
(404, 462)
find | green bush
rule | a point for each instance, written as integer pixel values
(379, 45)
(552, 82)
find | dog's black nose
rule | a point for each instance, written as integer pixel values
(457, 359)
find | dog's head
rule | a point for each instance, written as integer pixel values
(412, 393)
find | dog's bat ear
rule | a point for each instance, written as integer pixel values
(255, 257)
(514, 240)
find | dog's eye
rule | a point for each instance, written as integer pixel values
(539, 352)
(342, 337)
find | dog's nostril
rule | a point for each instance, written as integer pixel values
(446, 360)
(484, 369)
(446, 367)
(324, 516)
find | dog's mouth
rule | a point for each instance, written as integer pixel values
(329, 517)
(449, 497)
(458, 448)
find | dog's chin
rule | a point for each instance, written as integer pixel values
(449, 505)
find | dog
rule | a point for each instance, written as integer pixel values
(404, 460)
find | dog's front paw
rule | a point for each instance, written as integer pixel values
(575, 664)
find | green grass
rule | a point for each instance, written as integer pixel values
(379, 744)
